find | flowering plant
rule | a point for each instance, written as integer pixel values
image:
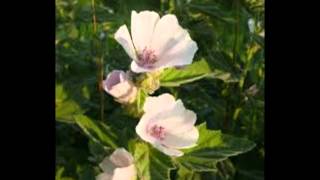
(168, 103)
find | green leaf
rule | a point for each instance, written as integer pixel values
(96, 131)
(172, 77)
(66, 110)
(141, 97)
(151, 163)
(185, 174)
(60, 94)
(176, 77)
(213, 146)
(59, 173)
(223, 75)
(213, 10)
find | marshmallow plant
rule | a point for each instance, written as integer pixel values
(168, 134)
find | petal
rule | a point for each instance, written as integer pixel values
(107, 165)
(172, 43)
(159, 103)
(127, 173)
(121, 158)
(168, 151)
(104, 176)
(152, 107)
(120, 89)
(177, 120)
(113, 79)
(129, 96)
(142, 128)
(122, 36)
(187, 139)
(142, 27)
(137, 69)
(179, 55)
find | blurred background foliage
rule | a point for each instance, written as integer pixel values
(230, 37)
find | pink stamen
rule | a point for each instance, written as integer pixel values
(157, 132)
(147, 58)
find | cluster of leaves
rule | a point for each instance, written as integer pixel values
(224, 86)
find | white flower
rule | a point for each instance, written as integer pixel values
(119, 166)
(167, 125)
(118, 85)
(156, 43)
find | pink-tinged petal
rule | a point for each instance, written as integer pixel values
(121, 158)
(126, 173)
(120, 86)
(142, 27)
(176, 120)
(113, 79)
(168, 125)
(159, 103)
(119, 166)
(142, 128)
(129, 96)
(165, 31)
(179, 55)
(137, 69)
(168, 151)
(187, 139)
(122, 36)
(172, 43)
(104, 176)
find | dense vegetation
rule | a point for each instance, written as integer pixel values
(224, 86)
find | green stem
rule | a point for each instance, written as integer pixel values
(99, 59)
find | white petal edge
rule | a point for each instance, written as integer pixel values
(122, 36)
(126, 173)
(182, 54)
(176, 120)
(184, 140)
(165, 30)
(159, 103)
(137, 69)
(168, 151)
(121, 89)
(142, 28)
(173, 44)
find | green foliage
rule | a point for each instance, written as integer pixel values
(98, 132)
(151, 164)
(224, 86)
(177, 77)
(173, 77)
(212, 147)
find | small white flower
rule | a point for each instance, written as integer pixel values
(156, 43)
(167, 125)
(119, 85)
(119, 166)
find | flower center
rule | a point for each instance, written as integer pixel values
(157, 132)
(146, 58)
